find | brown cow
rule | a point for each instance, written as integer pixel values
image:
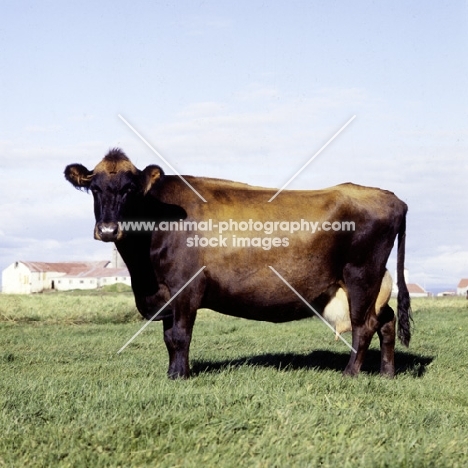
(237, 279)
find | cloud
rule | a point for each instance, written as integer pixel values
(25, 156)
(42, 128)
(445, 266)
(43, 204)
(257, 91)
(264, 126)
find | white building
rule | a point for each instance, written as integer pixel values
(414, 289)
(462, 287)
(31, 277)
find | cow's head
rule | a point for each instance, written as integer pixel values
(117, 187)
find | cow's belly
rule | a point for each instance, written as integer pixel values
(270, 302)
(276, 313)
(240, 283)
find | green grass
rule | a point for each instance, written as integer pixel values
(73, 307)
(262, 394)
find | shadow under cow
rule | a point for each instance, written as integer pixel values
(413, 364)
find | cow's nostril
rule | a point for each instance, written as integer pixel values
(108, 228)
(108, 231)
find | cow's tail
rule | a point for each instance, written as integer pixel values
(404, 305)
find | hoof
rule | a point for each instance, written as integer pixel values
(350, 372)
(387, 374)
(174, 375)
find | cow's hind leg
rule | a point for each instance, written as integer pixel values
(362, 293)
(386, 331)
(362, 336)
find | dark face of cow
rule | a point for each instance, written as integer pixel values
(117, 187)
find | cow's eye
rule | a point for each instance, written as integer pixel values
(96, 190)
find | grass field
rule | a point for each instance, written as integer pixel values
(261, 395)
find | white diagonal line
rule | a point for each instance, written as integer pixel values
(159, 155)
(311, 308)
(312, 158)
(160, 310)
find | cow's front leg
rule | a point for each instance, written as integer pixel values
(177, 336)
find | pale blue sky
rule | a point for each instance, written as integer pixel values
(242, 90)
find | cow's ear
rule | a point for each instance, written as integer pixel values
(150, 176)
(78, 175)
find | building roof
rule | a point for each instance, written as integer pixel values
(100, 272)
(414, 288)
(463, 283)
(77, 269)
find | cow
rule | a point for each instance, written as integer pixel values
(336, 311)
(236, 279)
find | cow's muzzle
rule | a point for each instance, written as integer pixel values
(107, 232)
